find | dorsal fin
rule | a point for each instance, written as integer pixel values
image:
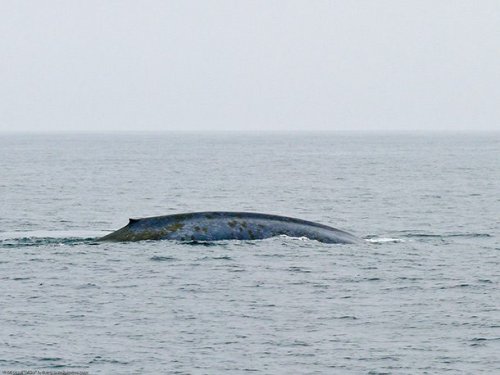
(132, 221)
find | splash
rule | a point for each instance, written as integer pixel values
(384, 240)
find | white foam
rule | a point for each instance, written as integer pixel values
(285, 237)
(384, 240)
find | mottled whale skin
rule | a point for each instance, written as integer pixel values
(217, 226)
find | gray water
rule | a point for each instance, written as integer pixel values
(421, 296)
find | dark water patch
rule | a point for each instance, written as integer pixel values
(11, 362)
(469, 235)
(444, 235)
(299, 343)
(125, 286)
(338, 317)
(464, 285)
(114, 260)
(159, 258)
(236, 269)
(320, 286)
(299, 269)
(201, 243)
(215, 258)
(44, 241)
(77, 316)
(297, 283)
(357, 279)
(222, 257)
(347, 317)
(409, 278)
(480, 339)
(477, 344)
(99, 359)
(273, 255)
(87, 286)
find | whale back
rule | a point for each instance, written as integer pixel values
(222, 225)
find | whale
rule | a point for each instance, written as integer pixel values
(222, 225)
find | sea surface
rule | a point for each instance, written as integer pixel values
(420, 296)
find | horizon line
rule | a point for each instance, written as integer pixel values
(256, 131)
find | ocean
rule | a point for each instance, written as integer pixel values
(420, 296)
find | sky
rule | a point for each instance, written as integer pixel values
(162, 65)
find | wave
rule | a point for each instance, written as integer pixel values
(43, 237)
(410, 234)
(405, 236)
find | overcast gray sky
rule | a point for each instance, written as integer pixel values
(249, 65)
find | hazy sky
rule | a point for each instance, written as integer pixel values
(248, 65)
